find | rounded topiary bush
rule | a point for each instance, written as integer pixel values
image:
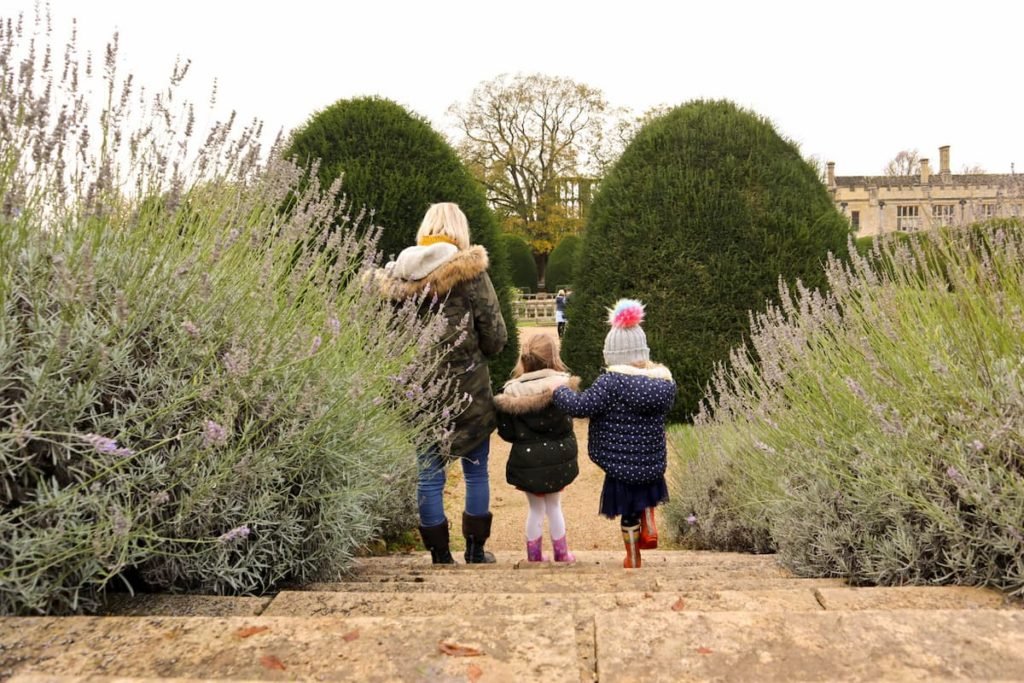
(521, 265)
(702, 214)
(562, 263)
(396, 165)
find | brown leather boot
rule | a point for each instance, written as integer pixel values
(648, 530)
(631, 537)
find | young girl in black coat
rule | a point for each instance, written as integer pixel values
(543, 458)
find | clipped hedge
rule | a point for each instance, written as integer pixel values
(562, 263)
(522, 266)
(699, 218)
(396, 165)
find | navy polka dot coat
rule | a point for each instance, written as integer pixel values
(627, 407)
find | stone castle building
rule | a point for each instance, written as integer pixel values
(875, 204)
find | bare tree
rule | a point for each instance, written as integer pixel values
(906, 162)
(523, 137)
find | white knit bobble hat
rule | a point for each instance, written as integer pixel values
(626, 342)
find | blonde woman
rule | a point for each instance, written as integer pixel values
(456, 271)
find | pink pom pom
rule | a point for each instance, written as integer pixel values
(627, 313)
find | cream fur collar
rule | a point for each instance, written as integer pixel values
(532, 391)
(656, 371)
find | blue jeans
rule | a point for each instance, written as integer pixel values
(430, 490)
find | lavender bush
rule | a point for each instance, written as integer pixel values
(194, 392)
(876, 432)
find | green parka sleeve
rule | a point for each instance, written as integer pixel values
(490, 325)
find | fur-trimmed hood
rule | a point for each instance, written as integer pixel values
(532, 391)
(654, 371)
(435, 265)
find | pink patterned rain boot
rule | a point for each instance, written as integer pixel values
(562, 553)
(535, 550)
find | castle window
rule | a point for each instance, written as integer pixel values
(907, 218)
(855, 219)
(986, 211)
(942, 214)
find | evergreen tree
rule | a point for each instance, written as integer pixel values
(394, 164)
(522, 267)
(562, 263)
(704, 212)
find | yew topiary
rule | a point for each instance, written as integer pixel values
(706, 209)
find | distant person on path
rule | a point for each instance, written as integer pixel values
(627, 406)
(456, 272)
(543, 460)
(561, 299)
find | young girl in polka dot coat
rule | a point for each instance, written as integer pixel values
(543, 460)
(627, 406)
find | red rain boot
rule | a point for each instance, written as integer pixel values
(648, 530)
(631, 537)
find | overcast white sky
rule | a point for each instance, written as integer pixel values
(853, 82)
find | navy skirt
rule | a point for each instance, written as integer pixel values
(619, 498)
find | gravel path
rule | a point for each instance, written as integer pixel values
(586, 529)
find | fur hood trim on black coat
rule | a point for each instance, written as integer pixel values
(532, 391)
(463, 266)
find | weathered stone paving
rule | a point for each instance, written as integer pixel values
(686, 616)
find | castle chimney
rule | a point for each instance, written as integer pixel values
(944, 160)
(831, 174)
(926, 172)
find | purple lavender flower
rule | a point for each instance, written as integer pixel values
(1016, 534)
(692, 519)
(160, 498)
(977, 445)
(214, 434)
(335, 326)
(954, 474)
(377, 401)
(106, 445)
(190, 328)
(315, 346)
(235, 534)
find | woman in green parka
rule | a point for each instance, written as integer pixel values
(543, 460)
(456, 273)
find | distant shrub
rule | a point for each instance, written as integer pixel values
(522, 266)
(562, 263)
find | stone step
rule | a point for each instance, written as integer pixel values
(314, 603)
(450, 647)
(513, 581)
(309, 603)
(811, 646)
(145, 604)
(585, 560)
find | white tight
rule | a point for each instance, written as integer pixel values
(549, 504)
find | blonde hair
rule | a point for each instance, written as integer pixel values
(539, 352)
(445, 220)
